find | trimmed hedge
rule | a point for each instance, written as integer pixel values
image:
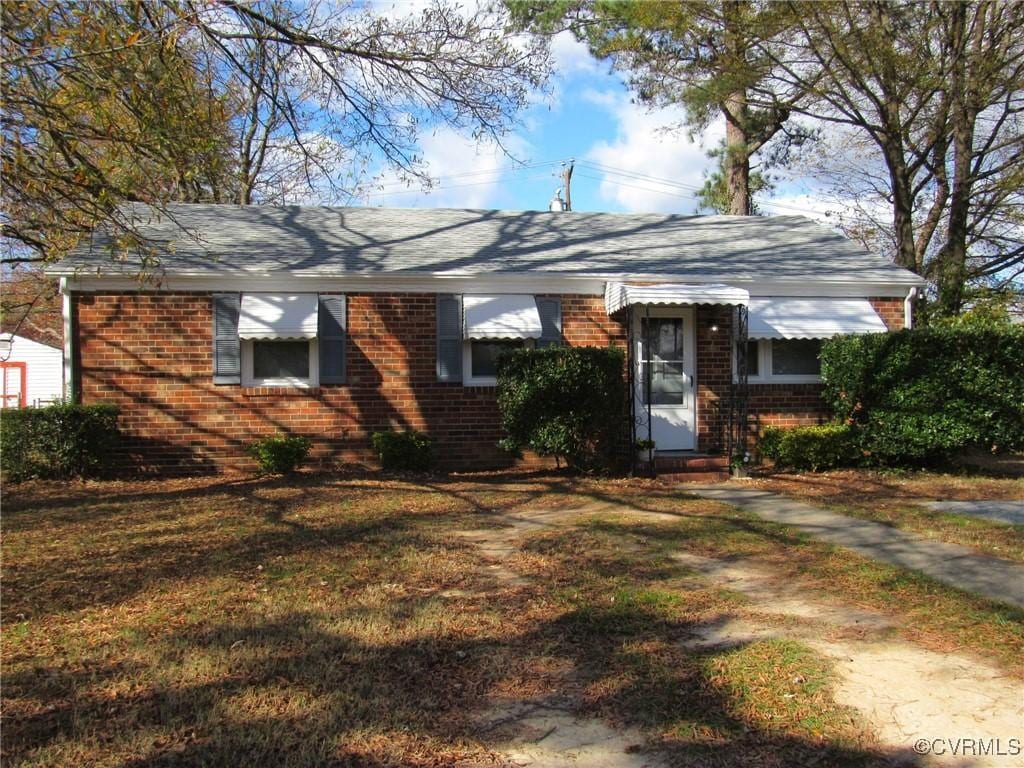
(57, 441)
(412, 450)
(280, 454)
(814, 447)
(566, 402)
(918, 397)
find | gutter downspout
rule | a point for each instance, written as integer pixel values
(67, 369)
(647, 380)
(631, 364)
(908, 308)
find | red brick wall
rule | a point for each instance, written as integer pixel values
(714, 376)
(891, 311)
(585, 323)
(782, 405)
(150, 353)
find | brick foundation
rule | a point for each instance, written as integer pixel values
(150, 354)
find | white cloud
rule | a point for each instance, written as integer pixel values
(828, 206)
(643, 148)
(469, 173)
(399, 9)
(810, 204)
(570, 60)
(571, 57)
(610, 100)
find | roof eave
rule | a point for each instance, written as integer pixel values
(893, 277)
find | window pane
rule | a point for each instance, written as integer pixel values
(665, 335)
(753, 358)
(485, 356)
(280, 359)
(668, 385)
(796, 357)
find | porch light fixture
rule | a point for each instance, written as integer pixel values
(714, 328)
(6, 344)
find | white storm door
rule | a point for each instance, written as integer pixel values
(666, 368)
(13, 385)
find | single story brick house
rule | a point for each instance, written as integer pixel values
(335, 323)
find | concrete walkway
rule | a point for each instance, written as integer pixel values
(1002, 511)
(954, 565)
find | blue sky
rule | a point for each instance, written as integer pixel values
(625, 159)
(619, 147)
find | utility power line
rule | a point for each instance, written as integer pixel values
(481, 172)
(607, 169)
(672, 193)
(618, 177)
(638, 176)
(442, 187)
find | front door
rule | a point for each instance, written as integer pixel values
(665, 359)
(13, 385)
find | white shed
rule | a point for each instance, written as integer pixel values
(33, 374)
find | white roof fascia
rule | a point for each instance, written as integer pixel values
(494, 283)
(215, 270)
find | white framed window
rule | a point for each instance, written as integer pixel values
(480, 359)
(783, 361)
(280, 363)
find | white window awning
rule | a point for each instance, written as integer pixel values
(619, 295)
(278, 316)
(819, 318)
(501, 316)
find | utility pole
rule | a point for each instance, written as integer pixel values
(566, 181)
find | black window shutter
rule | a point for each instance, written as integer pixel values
(550, 310)
(449, 337)
(227, 347)
(331, 339)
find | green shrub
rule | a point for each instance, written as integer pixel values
(404, 451)
(57, 441)
(279, 454)
(814, 448)
(563, 401)
(920, 396)
(768, 442)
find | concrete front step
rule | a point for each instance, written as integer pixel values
(692, 463)
(693, 477)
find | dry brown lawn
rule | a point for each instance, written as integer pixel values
(341, 620)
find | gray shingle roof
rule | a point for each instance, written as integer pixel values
(322, 241)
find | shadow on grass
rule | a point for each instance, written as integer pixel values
(296, 694)
(113, 551)
(350, 681)
(70, 502)
(122, 554)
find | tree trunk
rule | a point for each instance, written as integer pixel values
(737, 122)
(737, 156)
(952, 259)
(902, 205)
